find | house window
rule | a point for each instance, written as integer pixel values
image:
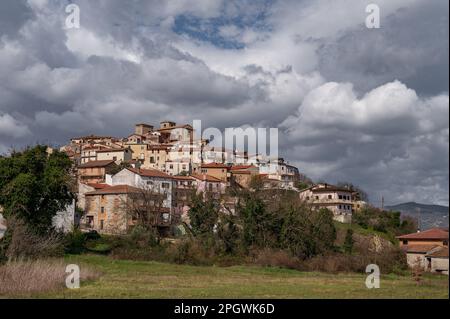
(152, 159)
(114, 158)
(405, 242)
(330, 196)
(317, 197)
(101, 223)
(102, 210)
(445, 242)
(340, 206)
(210, 187)
(90, 221)
(149, 182)
(165, 185)
(340, 196)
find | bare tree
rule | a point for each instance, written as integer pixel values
(146, 207)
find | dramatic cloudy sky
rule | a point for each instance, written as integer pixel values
(369, 106)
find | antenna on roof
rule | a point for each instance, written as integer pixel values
(419, 220)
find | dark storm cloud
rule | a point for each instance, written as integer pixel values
(13, 14)
(130, 63)
(409, 47)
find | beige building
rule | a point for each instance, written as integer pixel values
(171, 132)
(118, 155)
(156, 157)
(243, 174)
(105, 210)
(89, 152)
(138, 151)
(338, 200)
(95, 171)
(217, 170)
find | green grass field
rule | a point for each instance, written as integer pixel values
(131, 279)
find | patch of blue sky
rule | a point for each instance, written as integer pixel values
(210, 29)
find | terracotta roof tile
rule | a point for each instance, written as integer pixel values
(423, 249)
(117, 189)
(215, 165)
(207, 178)
(434, 233)
(439, 253)
(96, 164)
(149, 172)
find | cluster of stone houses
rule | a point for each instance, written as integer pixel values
(170, 160)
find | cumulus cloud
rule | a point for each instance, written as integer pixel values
(309, 67)
(9, 126)
(383, 138)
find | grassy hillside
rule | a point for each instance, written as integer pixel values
(131, 279)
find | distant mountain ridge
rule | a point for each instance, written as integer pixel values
(430, 215)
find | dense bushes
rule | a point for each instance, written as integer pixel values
(383, 221)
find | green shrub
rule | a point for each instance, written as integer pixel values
(75, 242)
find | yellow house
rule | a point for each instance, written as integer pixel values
(156, 157)
(217, 170)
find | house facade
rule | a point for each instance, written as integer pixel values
(105, 210)
(337, 199)
(217, 170)
(243, 174)
(148, 179)
(95, 171)
(427, 249)
(118, 155)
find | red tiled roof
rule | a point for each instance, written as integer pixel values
(96, 164)
(207, 178)
(422, 249)
(149, 172)
(98, 185)
(215, 165)
(439, 253)
(117, 189)
(434, 233)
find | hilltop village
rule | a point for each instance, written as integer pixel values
(167, 160)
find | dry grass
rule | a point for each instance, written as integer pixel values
(21, 278)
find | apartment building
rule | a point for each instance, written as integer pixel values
(337, 199)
